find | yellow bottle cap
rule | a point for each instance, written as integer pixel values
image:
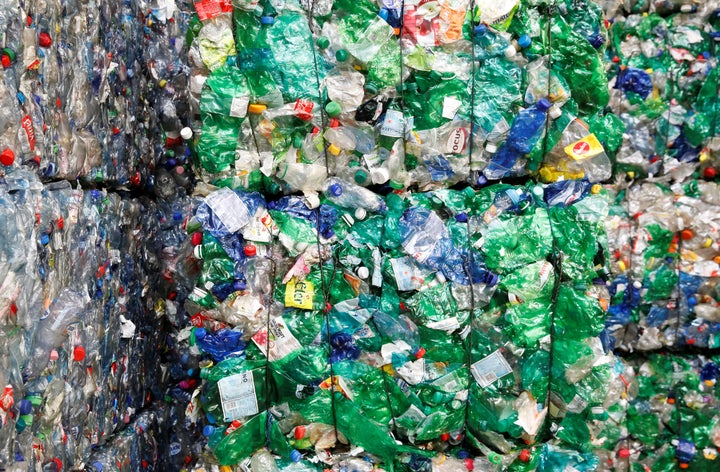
(334, 150)
(595, 189)
(256, 108)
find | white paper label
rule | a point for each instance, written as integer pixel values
(239, 106)
(237, 396)
(280, 343)
(449, 325)
(488, 370)
(450, 106)
(393, 124)
(229, 208)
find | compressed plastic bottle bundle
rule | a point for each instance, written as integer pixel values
(664, 267)
(355, 321)
(664, 86)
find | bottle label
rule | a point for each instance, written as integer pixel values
(585, 148)
(393, 124)
(450, 107)
(229, 208)
(27, 125)
(257, 230)
(486, 371)
(239, 106)
(208, 9)
(408, 276)
(278, 343)
(237, 396)
(456, 141)
(299, 294)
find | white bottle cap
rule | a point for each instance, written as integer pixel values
(186, 133)
(491, 148)
(510, 52)
(686, 8)
(555, 112)
(197, 252)
(312, 200)
(360, 213)
(637, 284)
(363, 272)
(379, 175)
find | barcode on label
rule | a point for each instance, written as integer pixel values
(237, 396)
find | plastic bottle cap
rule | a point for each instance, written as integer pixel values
(363, 272)
(186, 133)
(360, 213)
(396, 185)
(491, 148)
(295, 455)
(360, 177)
(709, 172)
(510, 52)
(543, 104)
(419, 354)
(25, 407)
(78, 353)
(335, 190)
(444, 436)
(595, 189)
(250, 251)
(524, 41)
(256, 108)
(687, 234)
(333, 109)
(44, 40)
(379, 175)
(469, 464)
(334, 150)
(54, 355)
(323, 42)
(240, 286)
(623, 453)
(687, 8)
(341, 55)
(7, 157)
(200, 333)
(267, 20)
(480, 30)
(208, 430)
(555, 112)
(461, 217)
(300, 432)
(524, 456)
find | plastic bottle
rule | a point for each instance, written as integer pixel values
(526, 131)
(350, 195)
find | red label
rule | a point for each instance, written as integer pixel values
(207, 9)
(27, 125)
(581, 148)
(456, 141)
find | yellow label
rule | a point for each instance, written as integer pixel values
(587, 147)
(299, 294)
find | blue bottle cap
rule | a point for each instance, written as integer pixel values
(208, 431)
(335, 190)
(482, 180)
(463, 454)
(238, 285)
(177, 216)
(25, 407)
(295, 455)
(267, 20)
(200, 333)
(480, 30)
(19, 457)
(44, 239)
(543, 104)
(98, 466)
(461, 217)
(524, 41)
(384, 13)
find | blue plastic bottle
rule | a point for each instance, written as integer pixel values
(526, 131)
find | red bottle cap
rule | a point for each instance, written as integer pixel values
(78, 353)
(444, 436)
(300, 432)
(420, 353)
(687, 234)
(469, 464)
(196, 238)
(45, 40)
(623, 453)
(250, 251)
(7, 157)
(709, 172)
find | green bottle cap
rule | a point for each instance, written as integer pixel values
(298, 142)
(341, 55)
(333, 109)
(396, 185)
(323, 42)
(371, 88)
(361, 177)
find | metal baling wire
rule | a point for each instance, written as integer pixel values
(267, 300)
(557, 257)
(470, 343)
(323, 284)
